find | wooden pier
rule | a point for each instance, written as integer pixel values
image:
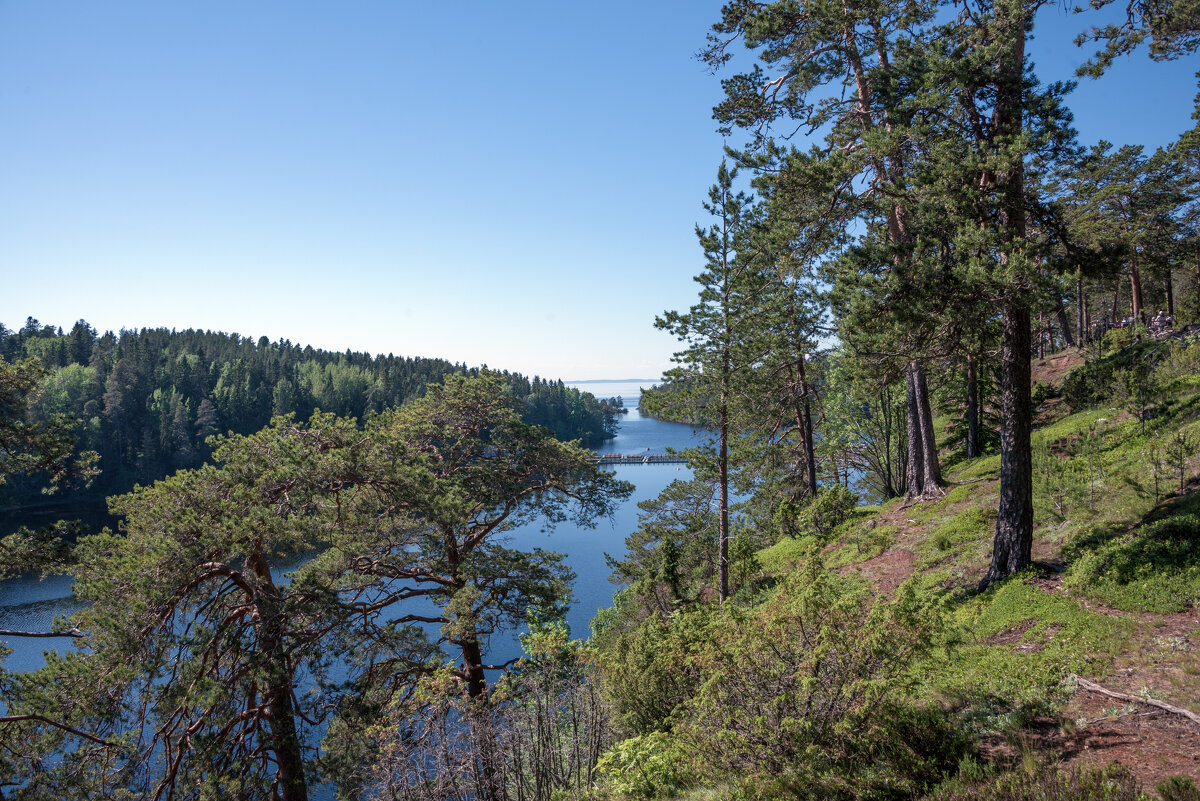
(639, 458)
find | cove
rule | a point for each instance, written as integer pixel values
(29, 603)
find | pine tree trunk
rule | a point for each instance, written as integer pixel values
(810, 457)
(472, 656)
(1169, 287)
(933, 471)
(1064, 324)
(1087, 314)
(924, 477)
(489, 780)
(1135, 284)
(916, 447)
(1081, 323)
(285, 740)
(723, 510)
(891, 486)
(290, 771)
(1013, 547)
(972, 408)
(1198, 282)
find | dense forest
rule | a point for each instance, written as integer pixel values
(943, 542)
(148, 400)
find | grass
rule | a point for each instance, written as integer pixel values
(783, 555)
(865, 543)
(1155, 567)
(964, 533)
(1016, 645)
(1020, 643)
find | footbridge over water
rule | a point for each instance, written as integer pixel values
(639, 458)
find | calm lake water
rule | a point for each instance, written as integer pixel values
(30, 604)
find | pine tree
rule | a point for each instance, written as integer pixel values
(712, 366)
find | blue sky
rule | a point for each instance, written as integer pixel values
(513, 184)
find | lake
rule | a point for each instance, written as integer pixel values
(30, 604)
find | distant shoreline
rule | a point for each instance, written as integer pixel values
(616, 381)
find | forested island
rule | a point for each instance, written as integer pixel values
(147, 400)
(943, 542)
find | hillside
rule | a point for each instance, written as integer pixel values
(1113, 596)
(147, 400)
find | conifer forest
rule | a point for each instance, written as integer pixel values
(940, 539)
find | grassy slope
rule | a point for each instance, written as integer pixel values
(1113, 598)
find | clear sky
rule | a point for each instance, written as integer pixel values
(513, 184)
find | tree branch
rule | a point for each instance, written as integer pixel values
(1096, 688)
(70, 729)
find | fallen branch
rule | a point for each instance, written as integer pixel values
(1096, 688)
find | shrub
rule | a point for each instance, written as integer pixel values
(1043, 392)
(1117, 339)
(808, 695)
(1090, 384)
(827, 511)
(1154, 568)
(1113, 783)
(648, 766)
(647, 671)
(1178, 788)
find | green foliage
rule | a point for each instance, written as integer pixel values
(40, 450)
(807, 694)
(31, 445)
(648, 670)
(862, 543)
(1129, 375)
(1178, 788)
(150, 398)
(783, 556)
(1042, 392)
(831, 508)
(671, 556)
(189, 632)
(1154, 568)
(1116, 340)
(1059, 480)
(743, 558)
(1089, 384)
(1181, 363)
(1020, 643)
(1112, 783)
(652, 765)
(973, 526)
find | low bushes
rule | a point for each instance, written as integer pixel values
(1154, 568)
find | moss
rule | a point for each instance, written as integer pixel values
(963, 492)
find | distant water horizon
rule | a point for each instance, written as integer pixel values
(628, 389)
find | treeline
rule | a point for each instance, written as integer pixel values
(147, 400)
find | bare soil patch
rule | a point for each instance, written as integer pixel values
(1011, 635)
(888, 570)
(1154, 744)
(1053, 369)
